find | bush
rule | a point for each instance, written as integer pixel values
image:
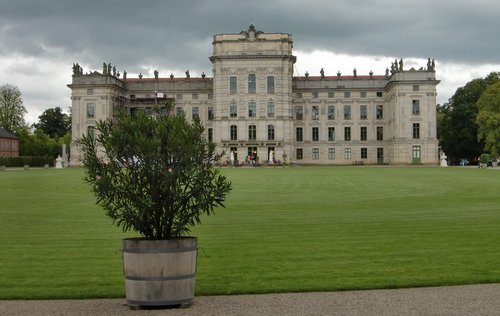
(485, 158)
(157, 174)
(26, 160)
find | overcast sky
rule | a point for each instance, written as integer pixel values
(41, 39)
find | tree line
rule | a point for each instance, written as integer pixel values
(42, 139)
(469, 123)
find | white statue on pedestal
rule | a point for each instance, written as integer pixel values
(444, 163)
(271, 157)
(231, 157)
(59, 162)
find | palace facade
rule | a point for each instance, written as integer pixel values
(254, 106)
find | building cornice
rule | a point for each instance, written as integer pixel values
(239, 57)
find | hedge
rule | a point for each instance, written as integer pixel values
(26, 160)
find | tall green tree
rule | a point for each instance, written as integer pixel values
(459, 130)
(12, 109)
(53, 122)
(488, 119)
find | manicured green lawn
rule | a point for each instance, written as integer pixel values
(283, 230)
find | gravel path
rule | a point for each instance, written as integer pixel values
(446, 300)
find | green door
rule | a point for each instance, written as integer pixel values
(380, 156)
(416, 154)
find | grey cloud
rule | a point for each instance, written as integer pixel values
(157, 32)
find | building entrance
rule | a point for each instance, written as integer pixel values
(380, 156)
(417, 154)
(252, 155)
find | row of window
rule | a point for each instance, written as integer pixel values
(299, 111)
(252, 132)
(299, 133)
(332, 94)
(194, 96)
(251, 84)
(363, 112)
(346, 94)
(315, 154)
(315, 133)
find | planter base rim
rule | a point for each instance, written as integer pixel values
(183, 303)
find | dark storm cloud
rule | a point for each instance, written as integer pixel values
(178, 33)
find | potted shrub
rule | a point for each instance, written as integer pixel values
(485, 160)
(154, 174)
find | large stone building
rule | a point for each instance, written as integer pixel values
(255, 106)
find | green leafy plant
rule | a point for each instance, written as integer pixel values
(485, 158)
(153, 173)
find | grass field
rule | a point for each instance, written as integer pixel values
(283, 230)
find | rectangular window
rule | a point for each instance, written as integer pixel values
(270, 84)
(331, 153)
(380, 133)
(347, 133)
(178, 96)
(252, 84)
(416, 107)
(195, 96)
(331, 112)
(234, 132)
(270, 108)
(298, 95)
(299, 136)
(364, 153)
(315, 153)
(379, 94)
(179, 110)
(314, 95)
(195, 112)
(299, 112)
(252, 132)
(315, 112)
(347, 112)
(252, 109)
(233, 109)
(210, 113)
(210, 134)
(363, 112)
(299, 154)
(347, 94)
(233, 85)
(416, 87)
(331, 134)
(380, 112)
(416, 130)
(363, 134)
(270, 132)
(347, 153)
(210, 96)
(90, 110)
(90, 91)
(331, 95)
(315, 134)
(363, 94)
